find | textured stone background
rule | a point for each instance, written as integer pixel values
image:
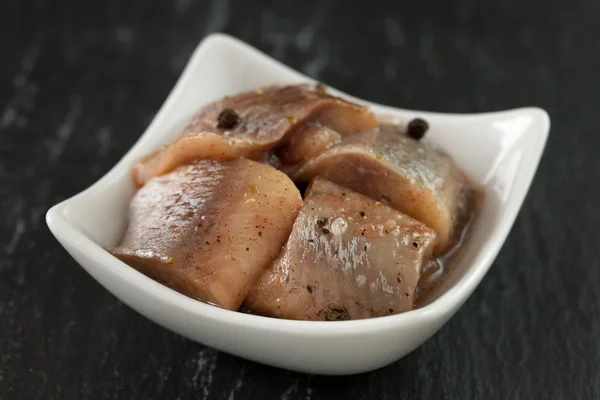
(79, 83)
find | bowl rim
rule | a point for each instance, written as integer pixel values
(66, 232)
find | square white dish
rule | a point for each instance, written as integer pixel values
(499, 150)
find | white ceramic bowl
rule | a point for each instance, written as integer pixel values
(500, 150)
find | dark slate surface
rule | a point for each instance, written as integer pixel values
(78, 84)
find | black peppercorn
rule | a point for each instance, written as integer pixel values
(417, 128)
(228, 119)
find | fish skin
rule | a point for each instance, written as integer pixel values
(415, 177)
(268, 117)
(210, 228)
(361, 262)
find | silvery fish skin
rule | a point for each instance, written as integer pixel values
(210, 228)
(262, 119)
(348, 257)
(414, 177)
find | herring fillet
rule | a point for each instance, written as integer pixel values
(308, 144)
(348, 257)
(414, 177)
(208, 229)
(267, 117)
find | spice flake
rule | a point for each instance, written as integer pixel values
(336, 313)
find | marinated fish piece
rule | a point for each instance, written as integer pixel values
(414, 177)
(308, 144)
(251, 123)
(210, 228)
(348, 257)
(190, 147)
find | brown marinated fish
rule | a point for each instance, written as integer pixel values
(414, 177)
(308, 144)
(210, 228)
(348, 257)
(252, 123)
